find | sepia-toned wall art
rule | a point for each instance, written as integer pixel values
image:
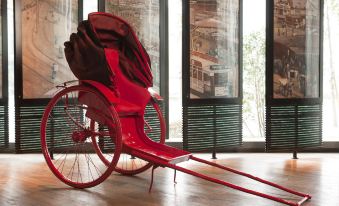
(1, 50)
(214, 49)
(144, 17)
(296, 53)
(46, 25)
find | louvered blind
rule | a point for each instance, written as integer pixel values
(3, 126)
(293, 127)
(212, 128)
(28, 120)
(152, 119)
(27, 128)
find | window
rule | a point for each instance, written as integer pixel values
(330, 71)
(10, 71)
(254, 69)
(89, 7)
(175, 68)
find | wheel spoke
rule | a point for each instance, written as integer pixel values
(65, 134)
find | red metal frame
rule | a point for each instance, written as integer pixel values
(156, 161)
(274, 198)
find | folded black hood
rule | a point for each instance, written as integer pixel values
(86, 56)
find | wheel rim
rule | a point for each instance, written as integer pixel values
(69, 142)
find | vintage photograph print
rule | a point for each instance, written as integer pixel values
(296, 66)
(214, 49)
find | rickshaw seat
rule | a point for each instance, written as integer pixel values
(125, 108)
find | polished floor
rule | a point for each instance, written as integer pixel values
(26, 180)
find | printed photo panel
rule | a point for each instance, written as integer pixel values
(214, 49)
(46, 25)
(296, 36)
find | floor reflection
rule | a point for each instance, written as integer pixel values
(26, 180)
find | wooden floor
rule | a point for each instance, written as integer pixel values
(26, 180)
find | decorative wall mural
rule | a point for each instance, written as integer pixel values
(46, 25)
(0, 50)
(214, 49)
(296, 65)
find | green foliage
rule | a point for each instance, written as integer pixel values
(254, 80)
(334, 5)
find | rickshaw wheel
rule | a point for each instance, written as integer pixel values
(68, 141)
(129, 165)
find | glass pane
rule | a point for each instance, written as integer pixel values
(143, 16)
(0, 50)
(89, 7)
(46, 25)
(296, 49)
(254, 48)
(330, 72)
(214, 47)
(175, 69)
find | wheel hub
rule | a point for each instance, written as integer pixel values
(80, 136)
